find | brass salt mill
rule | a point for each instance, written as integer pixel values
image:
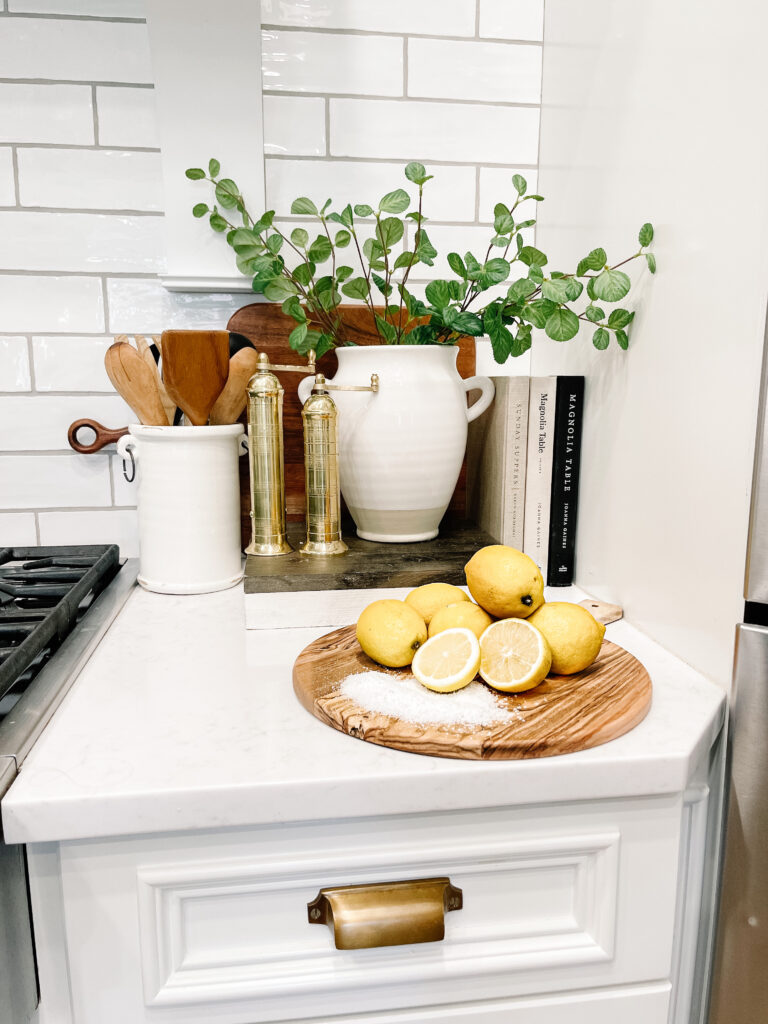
(266, 457)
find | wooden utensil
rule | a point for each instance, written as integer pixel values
(233, 397)
(559, 716)
(195, 370)
(136, 383)
(145, 351)
(103, 437)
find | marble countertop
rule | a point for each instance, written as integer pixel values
(182, 719)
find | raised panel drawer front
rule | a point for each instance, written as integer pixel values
(206, 927)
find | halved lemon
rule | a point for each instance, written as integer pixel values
(514, 655)
(447, 661)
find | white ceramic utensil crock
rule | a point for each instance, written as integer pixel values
(189, 506)
(401, 449)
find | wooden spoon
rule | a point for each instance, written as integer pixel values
(146, 354)
(232, 399)
(195, 370)
(136, 383)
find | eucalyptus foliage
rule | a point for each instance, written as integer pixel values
(317, 277)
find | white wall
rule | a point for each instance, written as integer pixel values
(352, 91)
(656, 111)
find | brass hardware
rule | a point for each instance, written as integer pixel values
(386, 913)
(321, 471)
(373, 386)
(266, 458)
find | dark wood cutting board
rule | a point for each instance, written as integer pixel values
(267, 327)
(561, 715)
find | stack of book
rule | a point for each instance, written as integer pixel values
(530, 472)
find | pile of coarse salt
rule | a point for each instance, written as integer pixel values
(409, 701)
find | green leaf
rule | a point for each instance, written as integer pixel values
(456, 263)
(386, 329)
(591, 288)
(217, 222)
(199, 210)
(390, 231)
(538, 312)
(521, 289)
(521, 185)
(342, 273)
(320, 250)
(463, 323)
(304, 273)
(503, 222)
(195, 173)
(555, 290)
(438, 293)
(264, 222)
(594, 260)
(414, 306)
(536, 199)
(300, 237)
(227, 193)
(650, 259)
(395, 202)
(601, 338)
(324, 344)
(532, 257)
(279, 288)
(364, 210)
(645, 237)
(297, 336)
(424, 334)
(213, 167)
(496, 270)
(416, 172)
(346, 216)
(304, 207)
(562, 325)
(275, 243)
(611, 285)
(381, 284)
(404, 259)
(574, 289)
(342, 239)
(325, 206)
(293, 307)
(594, 313)
(620, 318)
(535, 274)
(500, 240)
(357, 288)
(622, 339)
(522, 341)
(474, 269)
(501, 338)
(521, 225)
(425, 251)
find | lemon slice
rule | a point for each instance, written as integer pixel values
(447, 661)
(514, 655)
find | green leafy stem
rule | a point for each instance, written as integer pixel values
(312, 296)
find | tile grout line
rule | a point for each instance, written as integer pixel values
(37, 526)
(405, 66)
(477, 194)
(95, 211)
(80, 146)
(318, 30)
(16, 185)
(477, 19)
(77, 81)
(105, 300)
(95, 115)
(31, 357)
(383, 98)
(42, 16)
(111, 480)
(327, 115)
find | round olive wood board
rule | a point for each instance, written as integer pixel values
(561, 715)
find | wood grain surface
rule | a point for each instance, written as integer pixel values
(267, 327)
(561, 715)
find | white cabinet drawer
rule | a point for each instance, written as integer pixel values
(205, 928)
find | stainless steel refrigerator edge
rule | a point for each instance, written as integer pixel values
(740, 975)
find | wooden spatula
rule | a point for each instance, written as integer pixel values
(146, 354)
(195, 370)
(135, 382)
(232, 399)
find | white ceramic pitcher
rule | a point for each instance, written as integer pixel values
(401, 449)
(189, 506)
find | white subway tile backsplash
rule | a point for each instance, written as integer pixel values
(80, 242)
(420, 130)
(433, 17)
(40, 422)
(512, 19)
(7, 191)
(71, 364)
(14, 365)
(449, 196)
(92, 179)
(294, 126)
(463, 70)
(74, 51)
(17, 529)
(125, 493)
(113, 526)
(496, 187)
(54, 481)
(90, 8)
(58, 304)
(46, 113)
(145, 306)
(127, 117)
(318, 62)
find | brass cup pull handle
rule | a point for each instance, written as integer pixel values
(386, 913)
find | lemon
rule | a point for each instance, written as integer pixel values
(573, 634)
(505, 582)
(462, 615)
(391, 632)
(447, 661)
(514, 655)
(432, 597)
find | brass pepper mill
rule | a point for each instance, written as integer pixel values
(321, 469)
(266, 458)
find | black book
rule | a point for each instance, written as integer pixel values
(564, 496)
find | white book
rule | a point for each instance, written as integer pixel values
(538, 477)
(516, 457)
